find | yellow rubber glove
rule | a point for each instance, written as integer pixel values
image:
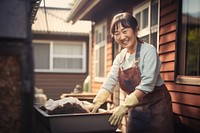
(118, 113)
(100, 98)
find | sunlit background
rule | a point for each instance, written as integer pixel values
(57, 3)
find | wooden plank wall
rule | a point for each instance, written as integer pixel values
(185, 98)
(55, 84)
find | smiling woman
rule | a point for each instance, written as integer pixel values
(137, 70)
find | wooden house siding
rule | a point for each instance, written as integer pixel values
(185, 98)
(55, 84)
(109, 57)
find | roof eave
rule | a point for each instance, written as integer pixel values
(61, 33)
(79, 10)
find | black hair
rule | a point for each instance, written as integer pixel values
(125, 19)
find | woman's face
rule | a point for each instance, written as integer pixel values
(126, 37)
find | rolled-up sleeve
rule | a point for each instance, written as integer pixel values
(150, 70)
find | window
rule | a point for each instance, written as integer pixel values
(147, 17)
(57, 56)
(41, 56)
(100, 53)
(189, 43)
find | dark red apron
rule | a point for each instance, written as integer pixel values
(130, 78)
(154, 112)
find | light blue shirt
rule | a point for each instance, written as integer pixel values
(149, 65)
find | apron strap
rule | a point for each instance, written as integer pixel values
(137, 55)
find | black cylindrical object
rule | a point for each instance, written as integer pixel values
(16, 66)
(16, 85)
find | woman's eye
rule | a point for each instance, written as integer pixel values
(116, 34)
(124, 31)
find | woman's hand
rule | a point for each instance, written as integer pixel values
(117, 115)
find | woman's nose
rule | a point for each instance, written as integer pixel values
(121, 36)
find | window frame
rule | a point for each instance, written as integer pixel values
(149, 29)
(139, 9)
(52, 56)
(97, 46)
(180, 77)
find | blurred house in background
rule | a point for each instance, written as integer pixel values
(173, 27)
(61, 51)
